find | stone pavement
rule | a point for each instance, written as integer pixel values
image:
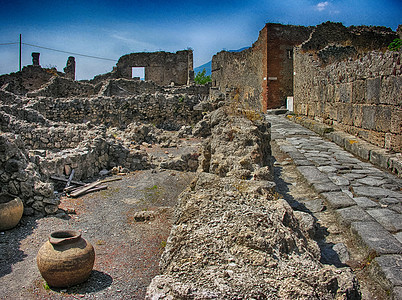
(365, 199)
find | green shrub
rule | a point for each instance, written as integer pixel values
(201, 78)
(395, 45)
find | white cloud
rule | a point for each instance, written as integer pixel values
(321, 6)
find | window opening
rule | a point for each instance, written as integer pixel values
(138, 73)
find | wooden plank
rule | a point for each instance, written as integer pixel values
(81, 190)
(70, 178)
(85, 188)
(95, 189)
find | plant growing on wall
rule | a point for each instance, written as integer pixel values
(395, 45)
(201, 78)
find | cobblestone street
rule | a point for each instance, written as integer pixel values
(363, 198)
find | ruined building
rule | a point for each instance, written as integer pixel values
(163, 68)
(342, 76)
(264, 74)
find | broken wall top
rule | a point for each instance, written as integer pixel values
(360, 38)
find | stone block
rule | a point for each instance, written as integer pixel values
(376, 238)
(383, 115)
(373, 90)
(303, 162)
(375, 192)
(345, 92)
(312, 174)
(389, 219)
(358, 91)
(391, 266)
(357, 115)
(325, 187)
(337, 137)
(395, 164)
(352, 214)
(393, 142)
(339, 180)
(338, 199)
(391, 90)
(396, 120)
(360, 148)
(368, 120)
(380, 157)
(365, 202)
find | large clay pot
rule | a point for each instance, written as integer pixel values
(11, 209)
(66, 259)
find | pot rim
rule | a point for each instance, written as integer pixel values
(64, 236)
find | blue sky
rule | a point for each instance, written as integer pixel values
(110, 29)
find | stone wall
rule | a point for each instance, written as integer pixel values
(262, 74)
(162, 110)
(339, 82)
(20, 177)
(240, 72)
(163, 68)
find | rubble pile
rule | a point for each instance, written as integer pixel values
(237, 146)
(234, 238)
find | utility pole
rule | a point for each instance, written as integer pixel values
(20, 51)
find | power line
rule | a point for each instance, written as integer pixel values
(4, 44)
(67, 52)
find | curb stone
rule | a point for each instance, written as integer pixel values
(376, 155)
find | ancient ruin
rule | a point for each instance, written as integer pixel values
(264, 73)
(233, 235)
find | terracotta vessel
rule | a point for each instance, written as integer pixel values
(66, 259)
(11, 209)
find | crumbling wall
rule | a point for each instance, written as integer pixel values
(340, 82)
(64, 87)
(29, 79)
(163, 68)
(20, 177)
(169, 111)
(239, 72)
(263, 74)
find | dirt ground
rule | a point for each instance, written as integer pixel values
(127, 252)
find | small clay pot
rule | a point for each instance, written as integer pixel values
(11, 209)
(66, 259)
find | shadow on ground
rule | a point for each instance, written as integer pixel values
(10, 241)
(328, 255)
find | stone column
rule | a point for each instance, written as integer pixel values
(69, 70)
(35, 59)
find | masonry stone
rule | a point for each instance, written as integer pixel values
(338, 199)
(376, 238)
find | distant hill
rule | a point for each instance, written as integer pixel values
(207, 66)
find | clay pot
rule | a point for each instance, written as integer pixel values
(11, 209)
(66, 259)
